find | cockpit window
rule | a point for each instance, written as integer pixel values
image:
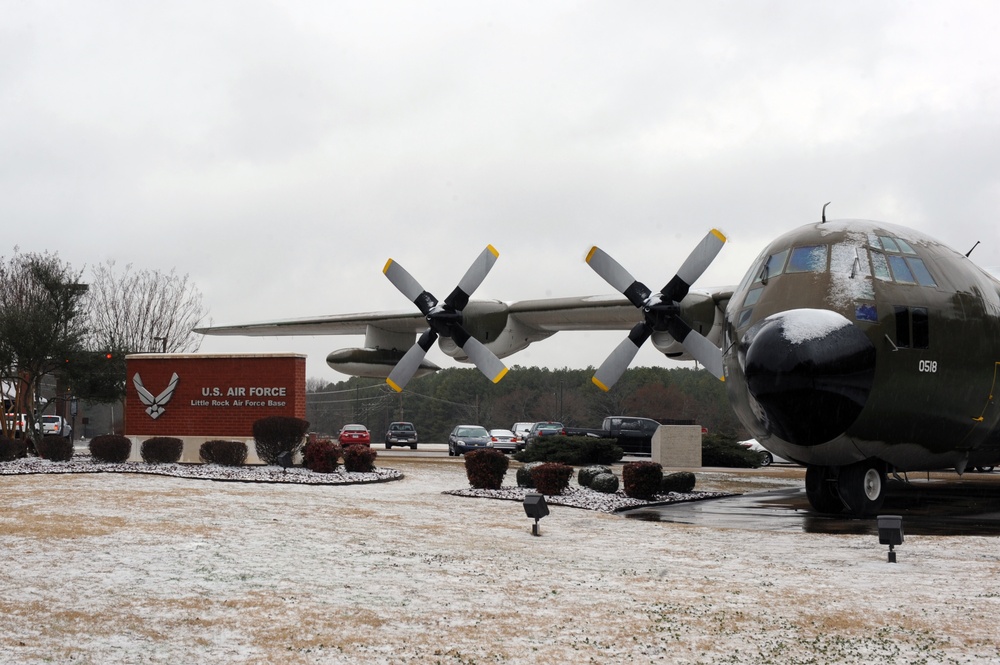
(899, 263)
(775, 266)
(811, 258)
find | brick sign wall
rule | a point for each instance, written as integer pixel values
(206, 396)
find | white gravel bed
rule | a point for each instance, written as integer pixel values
(584, 497)
(245, 473)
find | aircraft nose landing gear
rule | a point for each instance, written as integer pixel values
(858, 488)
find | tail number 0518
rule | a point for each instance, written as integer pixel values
(928, 366)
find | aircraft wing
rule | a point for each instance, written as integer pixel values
(504, 328)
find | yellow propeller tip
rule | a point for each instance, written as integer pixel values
(718, 234)
(493, 250)
(499, 376)
(590, 254)
(600, 385)
(392, 384)
(386, 268)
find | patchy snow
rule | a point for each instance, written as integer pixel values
(125, 568)
(803, 325)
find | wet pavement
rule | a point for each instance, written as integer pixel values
(937, 507)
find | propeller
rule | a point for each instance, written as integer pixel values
(661, 311)
(445, 319)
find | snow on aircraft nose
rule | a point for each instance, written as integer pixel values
(810, 371)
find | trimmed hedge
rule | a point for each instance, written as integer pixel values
(223, 453)
(485, 468)
(275, 435)
(110, 448)
(588, 473)
(572, 450)
(718, 450)
(642, 479)
(12, 449)
(523, 474)
(681, 482)
(606, 483)
(322, 455)
(552, 477)
(161, 450)
(359, 459)
(55, 448)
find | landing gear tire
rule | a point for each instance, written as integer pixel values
(862, 487)
(821, 490)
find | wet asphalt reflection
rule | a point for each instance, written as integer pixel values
(960, 506)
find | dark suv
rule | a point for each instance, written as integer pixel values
(401, 434)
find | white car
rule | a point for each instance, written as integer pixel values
(505, 440)
(767, 458)
(521, 430)
(56, 426)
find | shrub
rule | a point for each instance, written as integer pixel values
(55, 448)
(588, 473)
(523, 474)
(719, 450)
(573, 450)
(322, 455)
(642, 479)
(275, 435)
(681, 482)
(110, 448)
(224, 453)
(552, 477)
(486, 468)
(12, 449)
(606, 483)
(161, 450)
(359, 459)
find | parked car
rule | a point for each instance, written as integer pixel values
(506, 440)
(468, 437)
(401, 434)
(767, 458)
(354, 435)
(547, 428)
(521, 430)
(56, 426)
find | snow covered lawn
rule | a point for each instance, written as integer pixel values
(124, 568)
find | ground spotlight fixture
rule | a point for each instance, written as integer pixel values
(284, 461)
(890, 532)
(535, 508)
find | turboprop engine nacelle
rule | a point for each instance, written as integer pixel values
(372, 363)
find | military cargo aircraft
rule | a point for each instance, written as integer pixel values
(855, 348)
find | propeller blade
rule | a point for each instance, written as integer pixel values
(408, 286)
(410, 362)
(618, 277)
(485, 360)
(698, 347)
(473, 277)
(612, 369)
(696, 263)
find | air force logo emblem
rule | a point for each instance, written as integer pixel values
(154, 405)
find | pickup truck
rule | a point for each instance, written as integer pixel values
(633, 435)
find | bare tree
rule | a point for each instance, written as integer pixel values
(135, 311)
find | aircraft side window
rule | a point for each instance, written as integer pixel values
(902, 327)
(921, 328)
(905, 247)
(744, 317)
(920, 272)
(880, 266)
(811, 258)
(873, 241)
(753, 296)
(900, 270)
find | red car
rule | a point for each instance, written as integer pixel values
(354, 435)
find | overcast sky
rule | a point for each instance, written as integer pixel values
(280, 152)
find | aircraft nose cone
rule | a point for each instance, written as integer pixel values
(811, 372)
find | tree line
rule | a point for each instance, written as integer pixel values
(55, 324)
(439, 402)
